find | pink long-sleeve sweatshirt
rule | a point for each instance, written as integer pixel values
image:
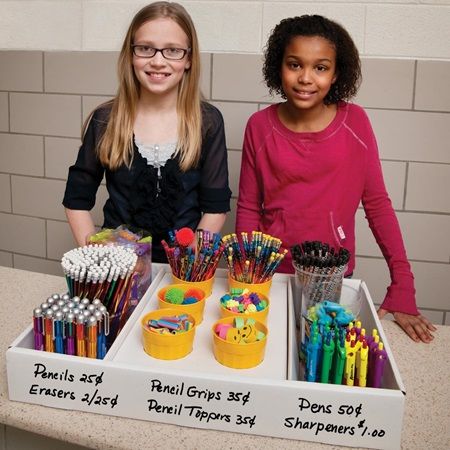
(308, 186)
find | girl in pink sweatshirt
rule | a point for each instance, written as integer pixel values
(307, 163)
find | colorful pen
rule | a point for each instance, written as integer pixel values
(38, 327)
(327, 358)
(48, 330)
(361, 365)
(58, 331)
(92, 337)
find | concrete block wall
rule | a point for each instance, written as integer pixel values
(58, 62)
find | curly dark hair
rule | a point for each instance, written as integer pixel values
(348, 64)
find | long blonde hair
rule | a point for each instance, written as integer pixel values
(116, 145)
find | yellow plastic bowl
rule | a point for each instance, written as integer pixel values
(194, 309)
(239, 356)
(167, 346)
(206, 286)
(260, 316)
(264, 288)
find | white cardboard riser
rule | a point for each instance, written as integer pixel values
(255, 401)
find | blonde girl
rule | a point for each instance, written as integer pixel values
(160, 147)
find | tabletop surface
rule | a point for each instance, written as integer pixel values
(424, 369)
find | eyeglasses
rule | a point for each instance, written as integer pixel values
(145, 51)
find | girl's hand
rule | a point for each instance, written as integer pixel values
(416, 327)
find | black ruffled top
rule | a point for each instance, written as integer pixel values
(138, 199)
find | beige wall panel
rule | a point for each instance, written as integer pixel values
(89, 103)
(59, 239)
(51, 114)
(22, 154)
(5, 192)
(235, 116)
(432, 285)
(245, 84)
(387, 83)
(37, 25)
(60, 154)
(426, 236)
(40, 265)
(205, 75)
(428, 187)
(365, 242)
(436, 317)
(6, 259)
(230, 222)
(4, 111)
(21, 71)
(234, 169)
(227, 26)
(394, 178)
(407, 30)
(22, 234)
(432, 292)
(97, 211)
(352, 18)
(432, 85)
(407, 135)
(435, 248)
(81, 72)
(105, 28)
(38, 197)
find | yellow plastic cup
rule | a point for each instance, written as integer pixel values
(239, 356)
(167, 346)
(263, 288)
(194, 309)
(260, 316)
(206, 286)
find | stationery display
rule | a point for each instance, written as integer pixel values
(256, 259)
(200, 379)
(193, 256)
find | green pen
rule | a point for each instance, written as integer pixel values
(339, 360)
(327, 358)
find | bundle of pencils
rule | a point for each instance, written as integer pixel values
(106, 273)
(256, 259)
(319, 257)
(320, 269)
(193, 256)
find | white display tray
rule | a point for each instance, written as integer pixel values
(197, 391)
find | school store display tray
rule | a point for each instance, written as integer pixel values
(197, 391)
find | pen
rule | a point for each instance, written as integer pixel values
(349, 375)
(92, 337)
(312, 356)
(339, 359)
(361, 365)
(327, 358)
(70, 333)
(58, 331)
(48, 330)
(379, 361)
(38, 328)
(81, 345)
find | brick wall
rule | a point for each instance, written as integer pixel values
(45, 96)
